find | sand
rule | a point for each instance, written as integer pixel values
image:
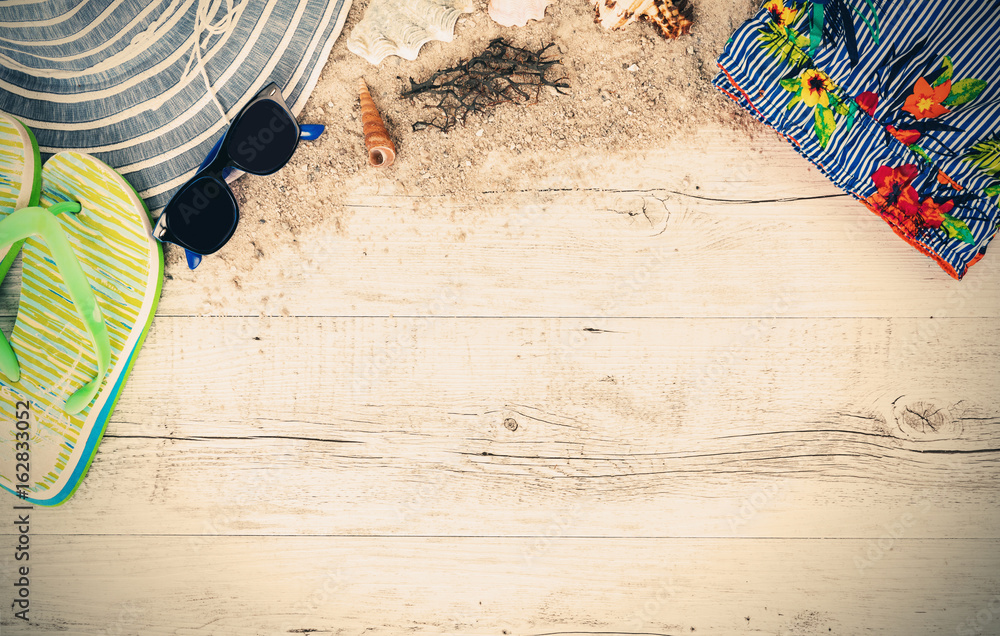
(628, 88)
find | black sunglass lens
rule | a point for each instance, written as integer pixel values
(203, 215)
(264, 138)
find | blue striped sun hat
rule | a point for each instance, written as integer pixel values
(148, 86)
(897, 102)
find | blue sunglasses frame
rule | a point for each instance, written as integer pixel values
(307, 132)
(229, 172)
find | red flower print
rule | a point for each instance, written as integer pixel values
(906, 137)
(886, 178)
(867, 101)
(908, 200)
(901, 201)
(933, 213)
(925, 102)
(894, 185)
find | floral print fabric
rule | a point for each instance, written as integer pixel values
(896, 102)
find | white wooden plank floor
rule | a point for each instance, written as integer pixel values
(674, 395)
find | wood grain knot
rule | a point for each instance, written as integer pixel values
(510, 423)
(641, 211)
(921, 418)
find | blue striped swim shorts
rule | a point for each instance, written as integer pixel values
(898, 103)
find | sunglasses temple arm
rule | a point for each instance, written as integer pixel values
(193, 259)
(162, 234)
(311, 132)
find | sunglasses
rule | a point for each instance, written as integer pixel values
(261, 139)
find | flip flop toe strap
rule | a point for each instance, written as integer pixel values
(42, 222)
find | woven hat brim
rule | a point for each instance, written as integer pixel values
(148, 87)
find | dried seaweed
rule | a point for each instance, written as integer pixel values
(501, 74)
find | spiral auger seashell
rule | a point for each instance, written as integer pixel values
(381, 150)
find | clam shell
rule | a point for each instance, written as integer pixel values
(401, 27)
(381, 150)
(614, 14)
(517, 12)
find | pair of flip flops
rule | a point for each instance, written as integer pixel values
(90, 281)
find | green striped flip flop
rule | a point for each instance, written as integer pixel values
(20, 176)
(91, 279)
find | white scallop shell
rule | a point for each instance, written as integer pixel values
(517, 12)
(401, 27)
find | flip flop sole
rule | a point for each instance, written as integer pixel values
(111, 237)
(20, 176)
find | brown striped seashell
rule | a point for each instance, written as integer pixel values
(381, 150)
(614, 14)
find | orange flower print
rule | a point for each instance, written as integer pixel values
(906, 137)
(944, 179)
(899, 203)
(780, 14)
(933, 213)
(816, 87)
(926, 100)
